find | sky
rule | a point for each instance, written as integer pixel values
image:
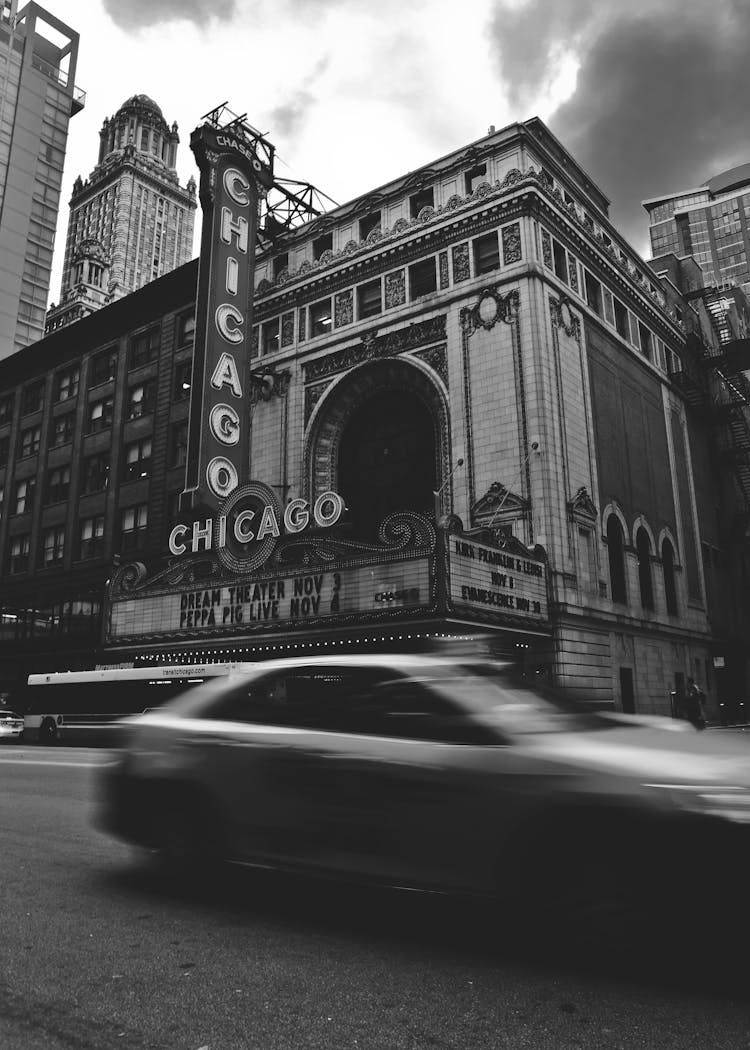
(649, 96)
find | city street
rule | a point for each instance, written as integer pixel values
(96, 953)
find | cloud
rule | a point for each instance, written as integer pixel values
(288, 118)
(139, 14)
(660, 101)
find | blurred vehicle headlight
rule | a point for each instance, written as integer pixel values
(727, 802)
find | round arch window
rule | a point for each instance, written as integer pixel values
(387, 460)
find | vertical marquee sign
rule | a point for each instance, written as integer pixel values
(231, 179)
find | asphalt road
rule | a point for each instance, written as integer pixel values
(95, 953)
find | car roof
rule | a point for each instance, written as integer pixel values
(397, 661)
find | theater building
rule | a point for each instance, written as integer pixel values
(447, 407)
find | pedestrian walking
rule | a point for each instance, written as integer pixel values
(695, 701)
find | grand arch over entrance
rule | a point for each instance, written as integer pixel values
(380, 438)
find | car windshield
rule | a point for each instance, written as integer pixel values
(6, 715)
(516, 703)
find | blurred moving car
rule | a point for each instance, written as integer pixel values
(432, 773)
(11, 725)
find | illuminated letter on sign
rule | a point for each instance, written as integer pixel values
(224, 314)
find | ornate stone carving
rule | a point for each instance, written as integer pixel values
(326, 257)
(426, 213)
(343, 310)
(582, 508)
(511, 243)
(375, 235)
(547, 249)
(267, 385)
(263, 286)
(461, 268)
(400, 535)
(395, 289)
(302, 324)
(287, 329)
(313, 394)
(350, 247)
(573, 274)
(400, 225)
(437, 358)
(443, 269)
(563, 317)
(490, 308)
(373, 347)
(498, 500)
(453, 202)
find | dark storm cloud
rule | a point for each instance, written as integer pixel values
(286, 119)
(661, 98)
(138, 14)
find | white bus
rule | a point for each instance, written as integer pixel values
(86, 706)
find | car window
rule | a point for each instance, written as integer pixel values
(359, 700)
(306, 698)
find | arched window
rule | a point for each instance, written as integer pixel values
(643, 547)
(670, 588)
(616, 554)
(387, 460)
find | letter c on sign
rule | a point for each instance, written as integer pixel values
(175, 534)
(224, 314)
(241, 534)
(237, 186)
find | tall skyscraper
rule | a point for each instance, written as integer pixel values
(711, 223)
(38, 55)
(130, 221)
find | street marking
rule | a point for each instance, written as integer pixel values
(21, 761)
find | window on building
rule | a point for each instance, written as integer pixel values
(321, 317)
(53, 545)
(100, 415)
(104, 367)
(369, 299)
(643, 550)
(30, 440)
(647, 343)
(58, 484)
(24, 497)
(474, 177)
(137, 459)
(62, 429)
(91, 537)
(141, 399)
(423, 199)
(178, 441)
(133, 525)
(560, 259)
(270, 338)
(19, 553)
(621, 320)
(280, 263)
(321, 244)
(593, 294)
(422, 278)
(66, 384)
(670, 583)
(96, 472)
(369, 223)
(4, 451)
(6, 408)
(33, 397)
(186, 330)
(183, 376)
(486, 253)
(143, 347)
(616, 555)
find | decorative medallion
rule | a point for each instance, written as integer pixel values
(350, 246)
(563, 317)
(426, 213)
(400, 225)
(490, 308)
(461, 268)
(395, 289)
(375, 235)
(511, 243)
(453, 202)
